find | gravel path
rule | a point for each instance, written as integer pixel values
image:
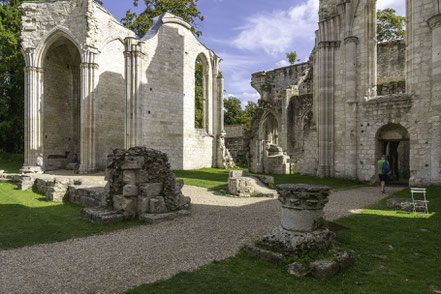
(117, 261)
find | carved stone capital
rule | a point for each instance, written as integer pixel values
(435, 21)
(351, 39)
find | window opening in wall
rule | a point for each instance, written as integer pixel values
(199, 94)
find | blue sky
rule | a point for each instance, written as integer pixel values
(254, 35)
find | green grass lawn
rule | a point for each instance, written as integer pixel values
(399, 252)
(216, 179)
(11, 163)
(26, 218)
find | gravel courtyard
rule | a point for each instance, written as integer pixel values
(115, 262)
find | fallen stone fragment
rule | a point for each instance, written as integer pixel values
(324, 269)
(298, 269)
(102, 216)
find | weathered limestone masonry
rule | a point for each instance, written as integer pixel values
(301, 232)
(85, 192)
(91, 86)
(368, 99)
(140, 185)
(275, 128)
(235, 142)
(241, 184)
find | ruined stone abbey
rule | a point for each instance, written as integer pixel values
(91, 86)
(354, 100)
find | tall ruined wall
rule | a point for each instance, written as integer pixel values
(162, 100)
(110, 96)
(391, 61)
(168, 107)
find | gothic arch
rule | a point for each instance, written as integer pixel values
(50, 38)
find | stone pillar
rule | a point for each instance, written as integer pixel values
(302, 206)
(435, 25)
(351, 108)
(326, 106)
(133, 60)
(88, 82)
(33, 128)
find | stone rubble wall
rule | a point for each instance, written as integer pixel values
(140, 181)
(235, 142)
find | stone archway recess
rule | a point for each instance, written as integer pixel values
(393, 140)
(61, 103)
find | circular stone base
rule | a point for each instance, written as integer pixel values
(297, 243)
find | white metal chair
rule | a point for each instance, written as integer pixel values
(418, 202)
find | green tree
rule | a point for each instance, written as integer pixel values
(11, 78)
(247, 116)
(199, 94)
(390, 26)
(233, 111)
(140, 23)
(292, 57)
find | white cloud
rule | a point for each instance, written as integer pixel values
(245, 97)
(398, 5)
(282, 63)
(276, 32)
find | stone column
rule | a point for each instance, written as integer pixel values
(351, 107)
(302, 206)
(133, 60)
(88, 81)
(435, 25)
(326, 106)
(33, 128)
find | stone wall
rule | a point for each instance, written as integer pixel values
(391, 61)
(132, 91)
(359, 90)
(61, 104)
(235, 142)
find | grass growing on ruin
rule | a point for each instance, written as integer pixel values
(11, 163)
(398, 252)
(217, 179)
(26, 218)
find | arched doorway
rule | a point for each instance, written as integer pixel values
(270, 130)
(393, 141)
(61, 103)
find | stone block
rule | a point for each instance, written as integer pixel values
(263, 254)
(157, 205)
(404, 204)
(238, 173)
(298, 269)
(129, 177)
(179, 185)
(26, 183)
(150, 190)
(118, 202)
(143, 205)
(101, 215)
(130, 190)
(324, 269)
(133, 162)
(266, 180)
(142, 176)
(129, 205)
(345, 260)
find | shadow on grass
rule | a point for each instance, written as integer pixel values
(27, 219)
(394, 255)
